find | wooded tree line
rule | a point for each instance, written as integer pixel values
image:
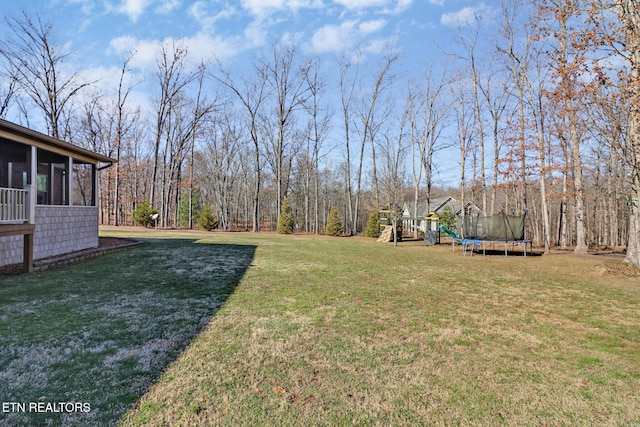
(537, 111)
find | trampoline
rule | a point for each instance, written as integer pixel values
(478, 231)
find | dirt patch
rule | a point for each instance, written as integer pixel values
(112, 242)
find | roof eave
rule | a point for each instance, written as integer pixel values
(28, 136)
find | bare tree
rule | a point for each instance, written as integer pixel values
(367, 121)
(630, 16)
(463, 109)
(563, 22)
(202, 109)
(93, 129)
(318, 127)
(469, 42)
(519, 60)
(251, 94)
(223, 149)
(347, 86)
(187, 115)
(172, 78)
(496, 106)
(289, 91)
(11, 77)
(427, 111)
(609, 115)
(39, 66)
(124, 125)
(393, 149)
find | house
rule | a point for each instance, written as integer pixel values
(435, 205)
(48, 194)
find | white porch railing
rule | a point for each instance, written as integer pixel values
(14, 205)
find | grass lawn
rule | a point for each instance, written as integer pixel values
(326, 331)
(331, 331)
(100, 332)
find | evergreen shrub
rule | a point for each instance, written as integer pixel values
(334, 226)
(373, 225)
(143, 214)
(285, 220)
(183, 210)
(207, 220)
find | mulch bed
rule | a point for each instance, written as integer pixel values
(105, 245)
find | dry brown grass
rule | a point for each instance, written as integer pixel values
(351, 332)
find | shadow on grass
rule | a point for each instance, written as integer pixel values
(510, 253)
(83, 343)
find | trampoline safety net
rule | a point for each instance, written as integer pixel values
(499, 227)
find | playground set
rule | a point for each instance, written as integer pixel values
(474, 232)
(390, 219)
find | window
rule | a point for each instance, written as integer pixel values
(13, 164)
(82, 184)
(51, 181)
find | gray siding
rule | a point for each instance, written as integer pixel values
(59, 230)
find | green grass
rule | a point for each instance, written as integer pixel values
(324, 331)
(346, 331)
(101, 332)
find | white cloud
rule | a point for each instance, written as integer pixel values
(260, 7)
(333, 38)
(256, 34)
(403, 5)
(466, 16)
(86, 6)
(133, 8)
(267, 13)
(203, 47)
(122, 44)
(207, 18)
(369, 27)
(167, 6)
(200, 47)
(338, 38)
(290, 38)
(361, 4)
(263, 8)
(105, 78)
(145, 50)
(387, 6)
(379, 46)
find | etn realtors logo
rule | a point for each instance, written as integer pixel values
(44, 407)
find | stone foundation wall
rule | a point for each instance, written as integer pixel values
(59, 230)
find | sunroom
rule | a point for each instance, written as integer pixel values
(48, 194)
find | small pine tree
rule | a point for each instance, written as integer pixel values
(373, 225)
(143, 214)
(285, 220)
(207, 220)
(447, 218)
(183, 210)
(334, 226)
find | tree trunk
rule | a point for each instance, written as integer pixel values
(630, 16)
(576, 160)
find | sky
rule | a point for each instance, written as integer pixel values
(101, 33)
(104, 30)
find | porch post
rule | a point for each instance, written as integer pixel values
(69, 184)
(32, 185)
(52, 186)
(94, 185)
(27, 256)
